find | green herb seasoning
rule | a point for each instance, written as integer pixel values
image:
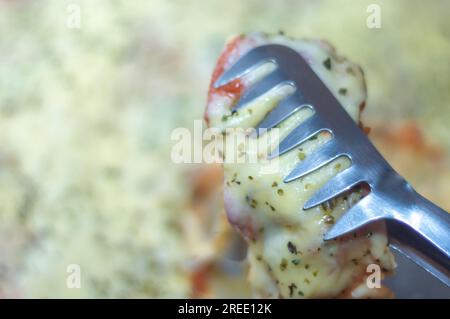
(283, 264)
(327, 64)
(342, 91)
(292, 248)
(301, 156)
(292, 287)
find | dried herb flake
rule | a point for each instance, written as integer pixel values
(327, 64)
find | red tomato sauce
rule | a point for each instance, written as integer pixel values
(234, 88)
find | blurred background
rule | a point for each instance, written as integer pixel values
(86, 115)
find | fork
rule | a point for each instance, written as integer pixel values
(416, 227)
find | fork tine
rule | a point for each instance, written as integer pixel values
(314, 161)
(337, 185)
(264, 85)
(244, 65)
(283, 110)
(310, 127)
(359, 215)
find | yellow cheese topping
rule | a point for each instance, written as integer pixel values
(287, 255)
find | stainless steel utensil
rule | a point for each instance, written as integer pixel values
(417, 227)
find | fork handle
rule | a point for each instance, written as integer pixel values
(422, 233)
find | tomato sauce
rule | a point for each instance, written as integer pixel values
(234, 88)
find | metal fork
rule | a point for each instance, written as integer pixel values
(417, 228)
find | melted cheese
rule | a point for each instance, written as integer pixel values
(287, 255)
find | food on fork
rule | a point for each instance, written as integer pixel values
(287, 255)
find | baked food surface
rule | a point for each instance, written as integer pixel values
(287, 256)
